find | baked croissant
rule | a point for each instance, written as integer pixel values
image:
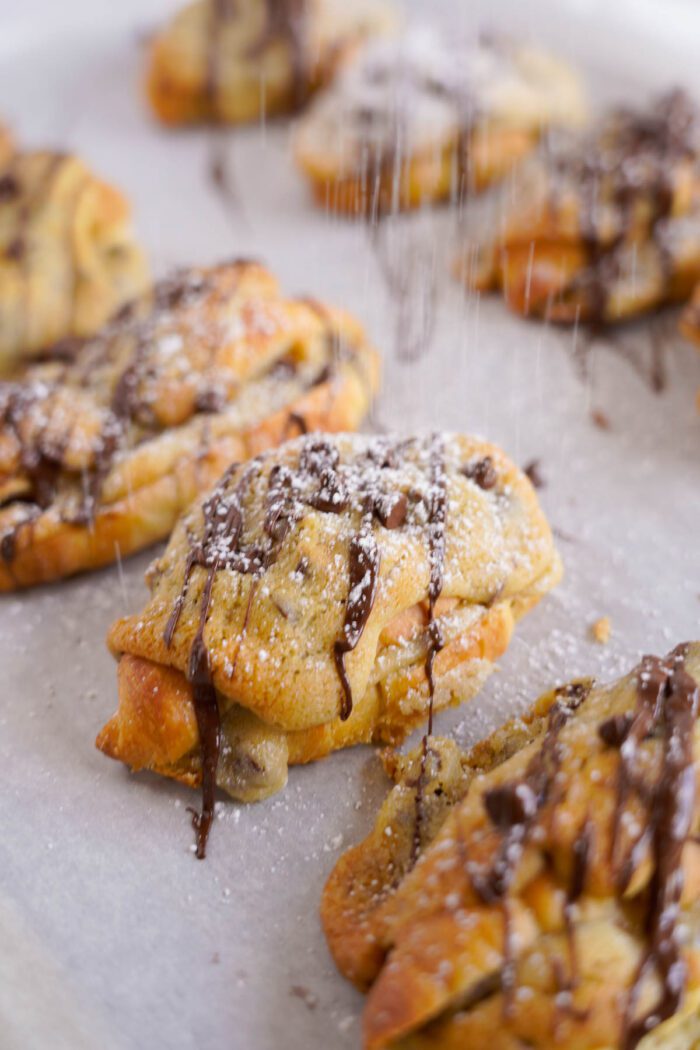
(417, 118)
(543, 889)
(99, 454)
(603, 227)
(68, 258)
(332, 592)
(233, 62)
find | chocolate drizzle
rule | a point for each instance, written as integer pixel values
(319, 481)
(667, 703)
(513, 809)
(116, 372)
(667, 708)
(437, 518)
(285, 20)
(363, 569)
(633, 162)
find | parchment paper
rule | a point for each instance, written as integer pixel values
(111, 934)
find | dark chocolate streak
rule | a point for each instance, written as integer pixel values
(284, 19)
(636, 160)
(316, 482)
(667, 706)
(437, 518)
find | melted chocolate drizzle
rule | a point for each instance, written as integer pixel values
(126, 416)
(667, 706)
(635, 159)
(317, 482)
(437, 518)
(284, 19)
(363, 566)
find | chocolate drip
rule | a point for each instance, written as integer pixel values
(437, 517)
(668, 700)
(316, 482)
(513, 809)
(363, 567)
(223, 526)
(206, 710)
(284, 19)
(634, 160)
(287, 20)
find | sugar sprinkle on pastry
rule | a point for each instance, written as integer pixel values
(105, 442)
(554, 900)
(335, 591)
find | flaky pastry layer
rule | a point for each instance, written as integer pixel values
(234, 63)
(99, 454)
(68, 256)
(332, 592)
(542, 889)
(416, 118)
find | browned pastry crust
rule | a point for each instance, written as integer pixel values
(543, 889)
(237, 62)
(99, 454)
(416, 118)
(7, 146)
(68, 258)
(311, 600)
(605, 227)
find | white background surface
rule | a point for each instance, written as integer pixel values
(111, 934)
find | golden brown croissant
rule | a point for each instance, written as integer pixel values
(417, 118)
(68, 258)
(99, 454)
(543, 889)
(604, 227)
(234, 62)
(331, 592)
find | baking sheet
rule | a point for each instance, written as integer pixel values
(111, 934)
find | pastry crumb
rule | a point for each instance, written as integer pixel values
(307, 997)
(601, 630)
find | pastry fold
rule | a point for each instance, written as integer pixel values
(237, 62)
(541, 890)
(329, 593)
(602, 227)
(68, 257)
(101, 452)
(417, 118)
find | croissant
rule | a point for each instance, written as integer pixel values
(68, 258)
(236, 62)
(543, 889)
(101, 452)
(417, 118)
(334, 591)
(604, 227)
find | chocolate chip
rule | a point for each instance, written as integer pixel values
(482, 472)
(510, 804)
(391, 509)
